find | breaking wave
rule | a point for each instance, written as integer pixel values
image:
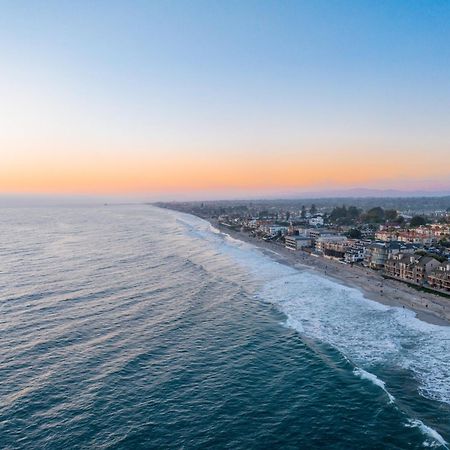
(364, 375)
(436, 439)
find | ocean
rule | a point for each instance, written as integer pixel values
(133, 327)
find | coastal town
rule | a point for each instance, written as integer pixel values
(407, 246)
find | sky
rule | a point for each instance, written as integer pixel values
(205, 99)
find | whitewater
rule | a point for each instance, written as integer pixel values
(136, 327)
(366, 332)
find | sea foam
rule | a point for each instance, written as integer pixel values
(363, 374)
(436, 438)
(365, 331)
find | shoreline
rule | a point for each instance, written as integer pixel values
(427, 307)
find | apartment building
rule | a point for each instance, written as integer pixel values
(410, 268)
(297, 242)
(439, 278)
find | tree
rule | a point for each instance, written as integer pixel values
(354, 233)
(313, 209)
(375, 215)
(353, 212)
(343, 216)
(444, 243)
(399, 220)
(417, 221)
(390, 214)
(338, 213)
(303, 213)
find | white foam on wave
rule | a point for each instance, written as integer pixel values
(437, 439)
(206, 231)
(364, 375)
(291, 322)
(365, 331)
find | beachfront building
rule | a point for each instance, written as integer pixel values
(356, 252)
(315, 233)
(323, 242)
(410, 268)
(270, 229)
(278, 230)
(378, 252)
(439, 278)
(376, 255)
(336, 250)
(297, 242)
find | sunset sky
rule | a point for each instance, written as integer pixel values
(230, 98)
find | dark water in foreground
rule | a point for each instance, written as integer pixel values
(132, 327)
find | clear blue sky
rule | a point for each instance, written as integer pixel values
(140, 84)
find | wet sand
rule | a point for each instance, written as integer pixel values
(428, 307)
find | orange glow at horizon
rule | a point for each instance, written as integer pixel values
(159, 98)
(231, 171)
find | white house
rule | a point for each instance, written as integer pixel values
(316, 220)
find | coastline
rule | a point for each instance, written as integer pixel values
(428, 307)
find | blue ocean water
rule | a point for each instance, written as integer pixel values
(127, 327)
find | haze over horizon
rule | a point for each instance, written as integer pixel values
(169, 100)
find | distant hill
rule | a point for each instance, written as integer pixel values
(362, 192)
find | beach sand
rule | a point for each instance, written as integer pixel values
(427, 306)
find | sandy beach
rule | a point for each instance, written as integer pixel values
(428, 307)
